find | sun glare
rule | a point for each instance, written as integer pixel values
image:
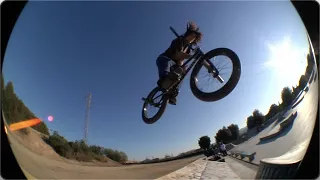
(288, 61)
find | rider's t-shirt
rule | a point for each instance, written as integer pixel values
(177, 45)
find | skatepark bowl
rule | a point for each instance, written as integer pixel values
(71, 110)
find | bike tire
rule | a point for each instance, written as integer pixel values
(161, 110)
(228, 87)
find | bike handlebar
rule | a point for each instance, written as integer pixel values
(174, 32)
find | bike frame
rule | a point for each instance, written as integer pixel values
(198, 55)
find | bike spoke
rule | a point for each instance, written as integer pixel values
(153, 105)
(207, 82)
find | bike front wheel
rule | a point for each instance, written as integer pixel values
(217, 74)
(157, 100)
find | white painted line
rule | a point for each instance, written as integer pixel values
(192, 171)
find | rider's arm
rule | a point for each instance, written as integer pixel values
(181, 53)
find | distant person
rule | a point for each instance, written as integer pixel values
(223, 149)
(177, 52)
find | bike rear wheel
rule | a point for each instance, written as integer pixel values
(227, 87)
(161, 105)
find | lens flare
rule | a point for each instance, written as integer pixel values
(24, 124)
(50, 118)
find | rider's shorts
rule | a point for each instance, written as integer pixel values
(164, 64)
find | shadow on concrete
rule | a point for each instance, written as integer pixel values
(279, 120)
(281, 133)
(216, 158)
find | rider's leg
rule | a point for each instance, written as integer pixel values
(173, 99)
(164, 65)
(177, 87)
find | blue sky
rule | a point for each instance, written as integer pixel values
(60, 51)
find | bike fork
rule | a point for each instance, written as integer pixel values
(212, 69)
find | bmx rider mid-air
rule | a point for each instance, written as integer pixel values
(177, 52)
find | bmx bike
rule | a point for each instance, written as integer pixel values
(167, 87)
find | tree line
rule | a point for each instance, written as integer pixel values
(16, 111)
(80, 151)
(225, 135)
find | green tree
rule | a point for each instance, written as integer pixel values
(16, 111)
(147, 160)
(217, 138)
(2, 82)
(258, 117)
(60, 145)
(9, 103)
(123, 157)
(250, 122)
(303, 81)
(96, 150)
(167, 156)
(84, 147)
(286, 96)
(227, 131)
(224, 135)
(273, 110)
(2, 89)
(115, 155)
(75, 147)
(234, 129)
(295, 91)
(204, 142)
(310, 64)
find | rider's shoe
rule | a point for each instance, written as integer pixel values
(173, 101)
(159, 85)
